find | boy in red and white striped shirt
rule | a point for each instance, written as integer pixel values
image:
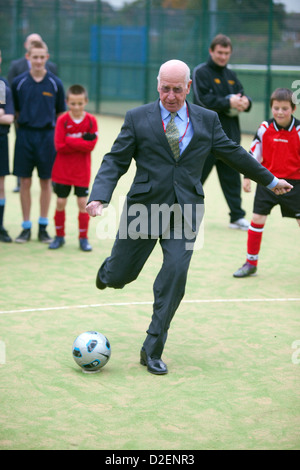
(276, 146)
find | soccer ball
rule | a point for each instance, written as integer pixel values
(91, 351)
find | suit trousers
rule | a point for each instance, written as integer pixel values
(126, 261)
(230, 181)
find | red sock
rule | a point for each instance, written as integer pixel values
(83, 219)
(255, 233)
(59, 220)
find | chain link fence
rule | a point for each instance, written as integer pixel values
(116, 53)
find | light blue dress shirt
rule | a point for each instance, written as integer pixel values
(183, 123)
(185, 128)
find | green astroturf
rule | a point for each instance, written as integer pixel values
(233, 379)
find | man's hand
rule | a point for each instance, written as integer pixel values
(247, 185)
(239, 102)
(282, 187)
(94, 208)
(245, 103)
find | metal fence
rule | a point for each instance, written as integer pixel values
(116, 54)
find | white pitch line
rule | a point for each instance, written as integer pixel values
(119, 304)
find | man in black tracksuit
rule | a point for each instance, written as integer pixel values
(216, 87)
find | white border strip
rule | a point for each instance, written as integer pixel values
(119, 304)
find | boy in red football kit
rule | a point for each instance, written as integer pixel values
(276, 146)
(75, 137)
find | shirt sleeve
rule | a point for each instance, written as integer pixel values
(60, 137)
(9, 105)
(256, 145)
(60, 98)
(273, 183)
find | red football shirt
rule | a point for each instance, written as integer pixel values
(72, 164)
(278, 149)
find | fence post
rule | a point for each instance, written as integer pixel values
(269, 61)
(57, 32)
(98, 58)
(146, 64)
(19, 34)
(205, 31)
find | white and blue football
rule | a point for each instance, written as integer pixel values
(91, 351)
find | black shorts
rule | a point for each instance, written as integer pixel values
(265, 200)
(4, 160)
(63, 190)
(34, 149)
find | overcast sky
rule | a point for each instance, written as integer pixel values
(291, 5)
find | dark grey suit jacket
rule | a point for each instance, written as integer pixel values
(19, 66)
(159, 179)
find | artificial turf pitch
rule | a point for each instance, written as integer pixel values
(232, 354)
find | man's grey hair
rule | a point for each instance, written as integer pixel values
(178, 63)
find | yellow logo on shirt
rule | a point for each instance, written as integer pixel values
(217, 80)
(46, 93)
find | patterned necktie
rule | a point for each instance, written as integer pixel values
(172, 134)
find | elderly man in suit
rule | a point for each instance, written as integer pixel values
(169, 140)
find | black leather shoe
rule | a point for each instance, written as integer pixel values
(100, 284)
(155, 366)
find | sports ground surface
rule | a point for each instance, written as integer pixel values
(233, 351)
